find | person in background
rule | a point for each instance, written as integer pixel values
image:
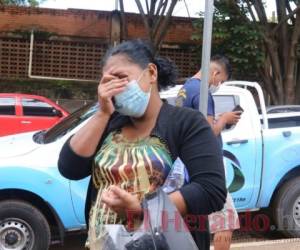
(224, 222)
(130, 144)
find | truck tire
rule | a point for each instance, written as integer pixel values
(22, 227)
(286, 208)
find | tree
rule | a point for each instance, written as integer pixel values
(32, 3)
(156, 16)
(238, 40)
(280, 42)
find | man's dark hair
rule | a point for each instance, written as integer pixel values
(223, 62)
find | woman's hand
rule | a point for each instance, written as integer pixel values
(121, 201)
(109, 86)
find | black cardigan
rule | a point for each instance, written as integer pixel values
(188, 136)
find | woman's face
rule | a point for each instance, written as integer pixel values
(120, 67)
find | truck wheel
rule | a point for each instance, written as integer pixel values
(22, 227)
(286, 209)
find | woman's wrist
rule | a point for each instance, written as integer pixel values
(134, 219)
(103, 115)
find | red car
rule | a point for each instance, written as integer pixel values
(23, 113)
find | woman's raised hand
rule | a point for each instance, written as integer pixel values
(121, 201)
(108, 87)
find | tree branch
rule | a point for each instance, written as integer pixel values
(123, 20)
(160, 5)
(297, 73)
(272, 52)
(281, 35)
(268, 84)
(260, 11)
(147, 7)
(145, 19)
(251, 11)
(288, 7)
(152, 8)
(290, 78)
(159, 20)
(165, 25)
(297, 21)
(285, 19)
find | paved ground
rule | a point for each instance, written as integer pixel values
(270, 240)
(244, 242)
(73, 242)
(288, 244)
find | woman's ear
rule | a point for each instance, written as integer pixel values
(153, 73)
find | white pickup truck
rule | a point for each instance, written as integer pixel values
(262, 155)
(37, 204)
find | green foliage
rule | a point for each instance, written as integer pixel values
(236, 39)
(38, 34)
(32, 3)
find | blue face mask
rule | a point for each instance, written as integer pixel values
(133, 101)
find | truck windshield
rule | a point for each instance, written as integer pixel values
(66, 125)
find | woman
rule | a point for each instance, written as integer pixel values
(129, 145)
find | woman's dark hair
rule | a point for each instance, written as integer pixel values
(140, 53)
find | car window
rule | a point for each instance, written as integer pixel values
(225, 103)
(34, 107)
(7, 106)
(283, 110)
(284, 122)
(66, 125)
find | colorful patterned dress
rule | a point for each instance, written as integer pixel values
(139, 167)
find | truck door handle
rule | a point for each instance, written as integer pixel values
(26, 122)
(287, 133)
(237, 142)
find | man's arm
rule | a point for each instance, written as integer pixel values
(218, 125)
(189, 96)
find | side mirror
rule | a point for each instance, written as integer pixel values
(57, 113)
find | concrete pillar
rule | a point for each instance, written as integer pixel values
(115, 31)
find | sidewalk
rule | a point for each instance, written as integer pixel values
(287, 244)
